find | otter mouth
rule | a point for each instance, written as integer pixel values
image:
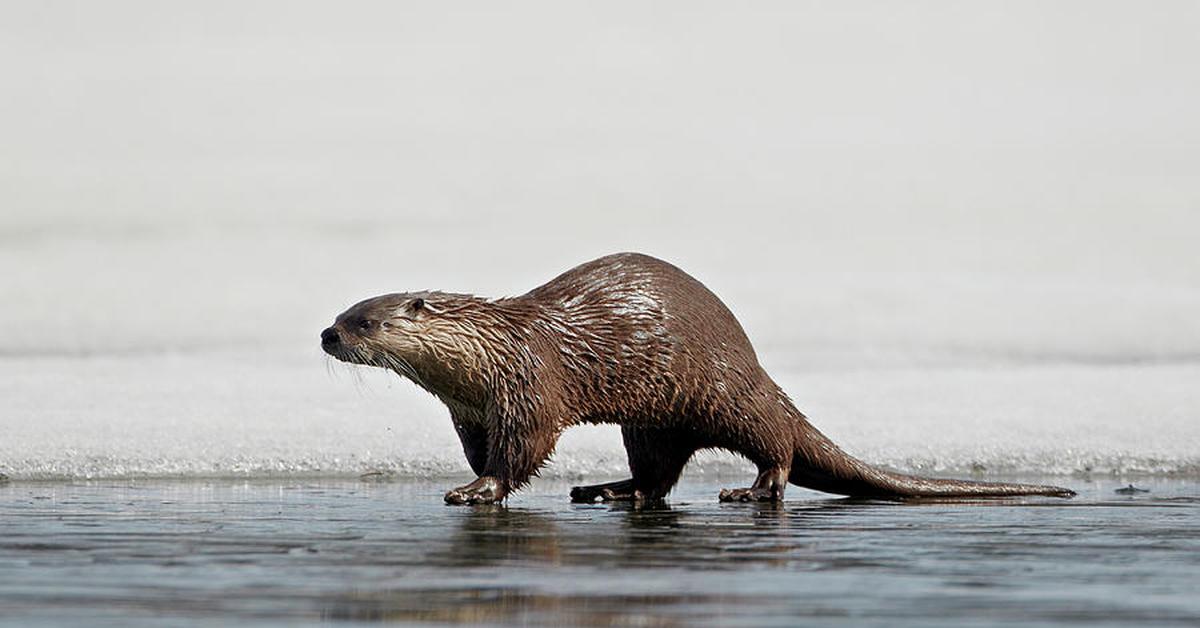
(331, 343)
(351, 355)
(346, 354)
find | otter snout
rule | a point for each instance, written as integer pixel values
(330, 337)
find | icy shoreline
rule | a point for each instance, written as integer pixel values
(233, 415)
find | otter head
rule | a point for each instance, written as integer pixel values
(429, 337)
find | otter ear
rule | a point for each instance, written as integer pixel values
(421, 305)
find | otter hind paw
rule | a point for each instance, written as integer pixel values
(748, 495)
(609, 492)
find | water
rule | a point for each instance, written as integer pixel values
(306, 552)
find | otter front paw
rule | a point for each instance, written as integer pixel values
(485, 490)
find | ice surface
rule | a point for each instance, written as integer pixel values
(953, 259)
(194, 352)
(241, 414)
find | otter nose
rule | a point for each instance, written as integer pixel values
(329, 337)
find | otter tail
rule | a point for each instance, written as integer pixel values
(820, 465)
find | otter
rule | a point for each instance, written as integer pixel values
(626, 339)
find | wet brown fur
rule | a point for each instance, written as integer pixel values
(625, 339)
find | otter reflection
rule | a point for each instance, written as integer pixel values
(504, 554)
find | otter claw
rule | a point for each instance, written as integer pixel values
(482, 491)
(622, 491)
(747, 495)
(608, 495)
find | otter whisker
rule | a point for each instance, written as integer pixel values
(402, 367)
(358, 358)
(331, 366)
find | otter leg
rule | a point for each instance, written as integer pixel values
(767, 487)
(474, 442)
(517, 446)
(656, 458)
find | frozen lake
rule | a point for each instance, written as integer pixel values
(193, 352)
(960, 242)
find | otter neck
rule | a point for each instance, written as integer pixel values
(484, 360)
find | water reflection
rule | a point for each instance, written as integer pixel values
(498, 555)
(523, 606)
(492, 534)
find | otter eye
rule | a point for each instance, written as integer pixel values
(417, 304)
(365, 325)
